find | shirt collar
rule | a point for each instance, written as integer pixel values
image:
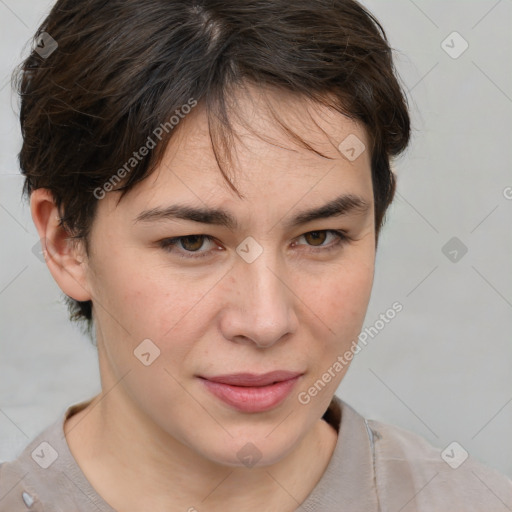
(348, 481)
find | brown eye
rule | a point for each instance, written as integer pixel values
(192, 242)
(193, 246)
(316, 237)
(187, 246)
(315, 240)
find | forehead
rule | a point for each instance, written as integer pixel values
(264, 160)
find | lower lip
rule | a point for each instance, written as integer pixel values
(252, 399)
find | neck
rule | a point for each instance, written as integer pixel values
(134, 465)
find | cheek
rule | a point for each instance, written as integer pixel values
(342, 293)
(143, 303)
(339, 305)
(145, 299)
(351, 294)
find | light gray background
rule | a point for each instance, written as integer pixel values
(442, 367)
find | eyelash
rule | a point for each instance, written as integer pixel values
(168, 244)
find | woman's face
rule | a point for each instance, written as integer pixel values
(271, 291)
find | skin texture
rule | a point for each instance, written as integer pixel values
(155, 438)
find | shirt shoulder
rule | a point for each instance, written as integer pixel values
(20, 478)
(46, 478)
(411, 475)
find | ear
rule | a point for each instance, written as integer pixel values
(65, 258)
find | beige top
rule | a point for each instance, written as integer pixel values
(375, 467)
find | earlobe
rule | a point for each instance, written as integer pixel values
(64, 257)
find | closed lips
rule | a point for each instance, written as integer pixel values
(254, 380)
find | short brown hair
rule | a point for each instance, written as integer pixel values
(123, 67)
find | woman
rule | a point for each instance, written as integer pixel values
(208, 180)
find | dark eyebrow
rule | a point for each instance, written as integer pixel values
(341, 205)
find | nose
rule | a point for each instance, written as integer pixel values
(260, 309)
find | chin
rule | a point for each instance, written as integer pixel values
(253, 451)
